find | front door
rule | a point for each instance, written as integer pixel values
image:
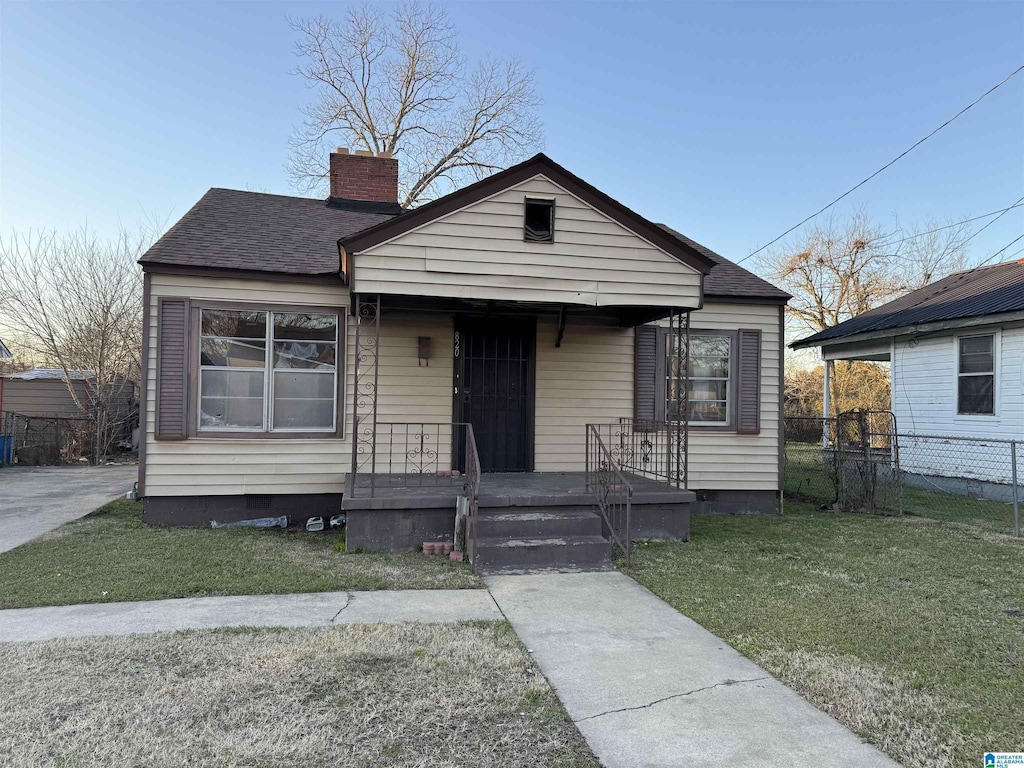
(494, 389)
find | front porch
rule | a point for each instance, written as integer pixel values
(424, 484)
(522, 520)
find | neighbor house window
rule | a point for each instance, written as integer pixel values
(264, 371)
(539, 220)
(708, 379)
(976, 375)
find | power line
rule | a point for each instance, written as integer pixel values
(1000, 212)
(986, 261)
(884, 167)
(997, 218)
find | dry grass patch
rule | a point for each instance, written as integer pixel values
(360, 695)
(905, 630)
(111, 556)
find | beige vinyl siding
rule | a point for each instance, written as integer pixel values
(722, 460)
(589, 379)
(478, 252)
(217, 466)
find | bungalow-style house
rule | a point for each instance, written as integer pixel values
(513, 351)
(956, 353)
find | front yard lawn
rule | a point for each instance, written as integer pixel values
(111, 556)
(356, 695)
(909, 631)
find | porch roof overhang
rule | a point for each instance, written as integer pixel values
(626, 316)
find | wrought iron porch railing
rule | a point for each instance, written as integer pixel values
(651, 449)
(472, 492)
(412, 455)
(606, 480)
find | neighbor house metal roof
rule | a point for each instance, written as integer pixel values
(973, 293)
(49, 374)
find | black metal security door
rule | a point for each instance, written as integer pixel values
(494, 372)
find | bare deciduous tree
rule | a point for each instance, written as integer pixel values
(838, 271)
(74, 302)
(398, 83)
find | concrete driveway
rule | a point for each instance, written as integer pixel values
(34, 500)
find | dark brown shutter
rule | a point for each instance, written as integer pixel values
(645, 365)
(172, 369)
(748, 417)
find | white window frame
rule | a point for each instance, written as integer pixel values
(996, 340)
(729, 379)
(268, 371)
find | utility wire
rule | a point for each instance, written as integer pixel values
(997, 218)
(884, 167)
(916, 235)
(986, 261)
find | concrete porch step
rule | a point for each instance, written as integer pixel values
(537, 522)
(580, 552)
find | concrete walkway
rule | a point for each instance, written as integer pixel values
(302, 610)
(34, 500)
(649, 687)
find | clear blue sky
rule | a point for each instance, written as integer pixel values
(730, 121)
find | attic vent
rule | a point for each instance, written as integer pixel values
(538, 220)
(257, 501)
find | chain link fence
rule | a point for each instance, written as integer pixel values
(859, 462)
(46, 441)
(963, 479)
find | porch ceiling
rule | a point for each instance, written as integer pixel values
(624, 316)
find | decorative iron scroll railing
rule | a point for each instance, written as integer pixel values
(415, 455)
(613, 492)
(472, 491)
(364, 404)
(647, 448)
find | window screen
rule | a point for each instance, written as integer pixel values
(976, 379)
(709, 374)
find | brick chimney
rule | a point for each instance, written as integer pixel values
(364, 176)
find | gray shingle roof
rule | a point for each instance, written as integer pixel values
(49, 374)
(231, 229)
(972, 293)
(730, 280)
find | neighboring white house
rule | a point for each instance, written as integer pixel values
(956, 350)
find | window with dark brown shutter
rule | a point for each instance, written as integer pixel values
(645, 373)
(171, 369)
(748, 417)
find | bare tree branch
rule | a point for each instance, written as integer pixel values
(838, 271)
(399, 84)
(74, 302)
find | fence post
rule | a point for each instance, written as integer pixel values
(1016, 488)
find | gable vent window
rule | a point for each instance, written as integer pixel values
(539, 221)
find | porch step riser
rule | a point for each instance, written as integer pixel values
(588, 552)
(549, 522)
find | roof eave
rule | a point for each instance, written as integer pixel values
(919, 329)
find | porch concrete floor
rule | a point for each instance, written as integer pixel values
(647, 686)
(508, 489)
